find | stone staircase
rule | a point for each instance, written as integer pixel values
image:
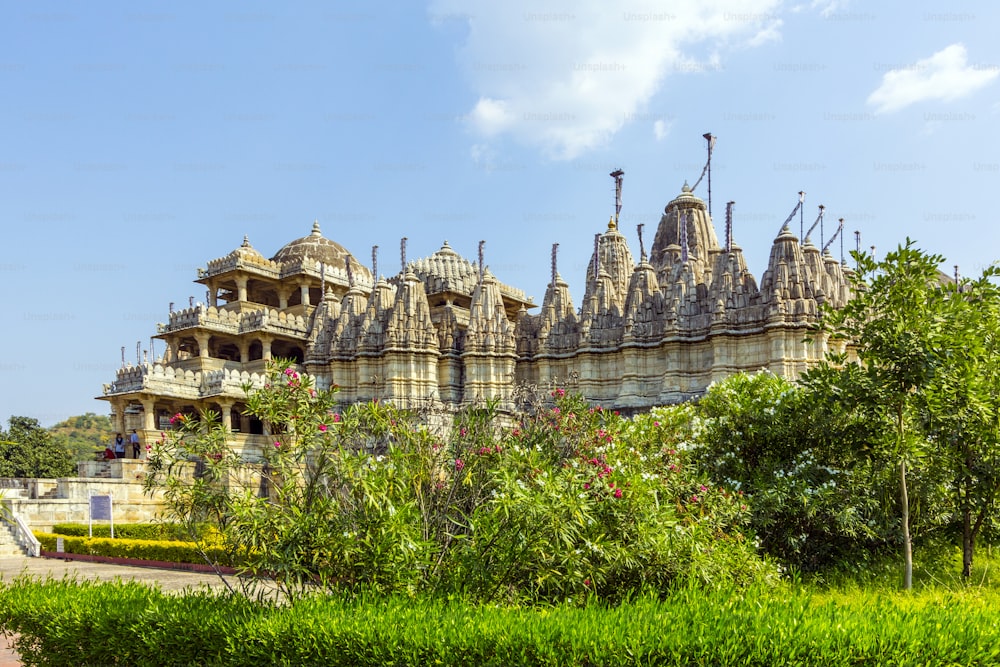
(8, 545)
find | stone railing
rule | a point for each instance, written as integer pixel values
(25, 538)
(231, 381)
(231, 263)
(274, 321)
(156, 378)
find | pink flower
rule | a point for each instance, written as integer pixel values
(322, 428)
(656, 423)
(462, 432)
(459, 464)
(618, 493)
(586, 486)
(336, 418)
(694, 499)
(586, 582)
(703, 488)
(277, 445)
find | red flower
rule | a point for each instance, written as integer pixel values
(322, 428)
(459, 464)
(618, 493)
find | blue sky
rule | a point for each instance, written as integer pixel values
(142, 140)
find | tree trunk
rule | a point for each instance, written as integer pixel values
(904, 501)
(968, 539)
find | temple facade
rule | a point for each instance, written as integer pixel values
(445, 332)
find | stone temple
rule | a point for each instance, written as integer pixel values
(445, 332)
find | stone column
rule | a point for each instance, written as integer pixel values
(241, 289)
(202, 339)
(265, 343)
(226, 407)
(283, 294)
(244, 346)
(304, 290)
(213, 295)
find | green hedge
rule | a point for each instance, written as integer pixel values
(64, 622)
(170, 551)
(132, 531)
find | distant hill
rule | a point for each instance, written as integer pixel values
(84, 434)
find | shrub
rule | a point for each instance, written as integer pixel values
(571, 502)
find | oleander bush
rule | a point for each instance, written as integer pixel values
(69, 622)
(564, 502)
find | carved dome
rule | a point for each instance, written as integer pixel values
(447, 271)
(319, 248)
(247, 252)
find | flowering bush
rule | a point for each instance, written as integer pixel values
(570, 502)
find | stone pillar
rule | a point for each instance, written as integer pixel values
(225, 408)
(148, 414)
(244, 346)
(265, 344)
(304, 290)
(213, 296)
(283, 294)
(241, 289)
(202, 339)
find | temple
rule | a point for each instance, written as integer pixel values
(445, 332)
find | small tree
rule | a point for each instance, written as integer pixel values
(962, 410)
(895, 322)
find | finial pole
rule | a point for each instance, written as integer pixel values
(729, 225)
(123, 356)
(708, 166)
(555, 248)
(481, 245)
(857, 246)
(642, 247)
(618, 175)
(152, 349)
(402, 255)
(375, 263)
(138, 352)
(802, 213)
(350, 272)
(842, 241)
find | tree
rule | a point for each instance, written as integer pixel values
(896, 323)
(27, 450)
(802, 454)
(963, 407)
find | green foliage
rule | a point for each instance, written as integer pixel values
(27, 450)
(83, 435)
(130, 531)
(806, 464)
(81, 622)
(572, 503)
(154, 550)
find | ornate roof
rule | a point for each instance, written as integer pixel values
(319, 248)
(247, 252)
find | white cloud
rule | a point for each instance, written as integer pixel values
(565, 76)
(661, 129)
(946, 76)
(828, 8)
